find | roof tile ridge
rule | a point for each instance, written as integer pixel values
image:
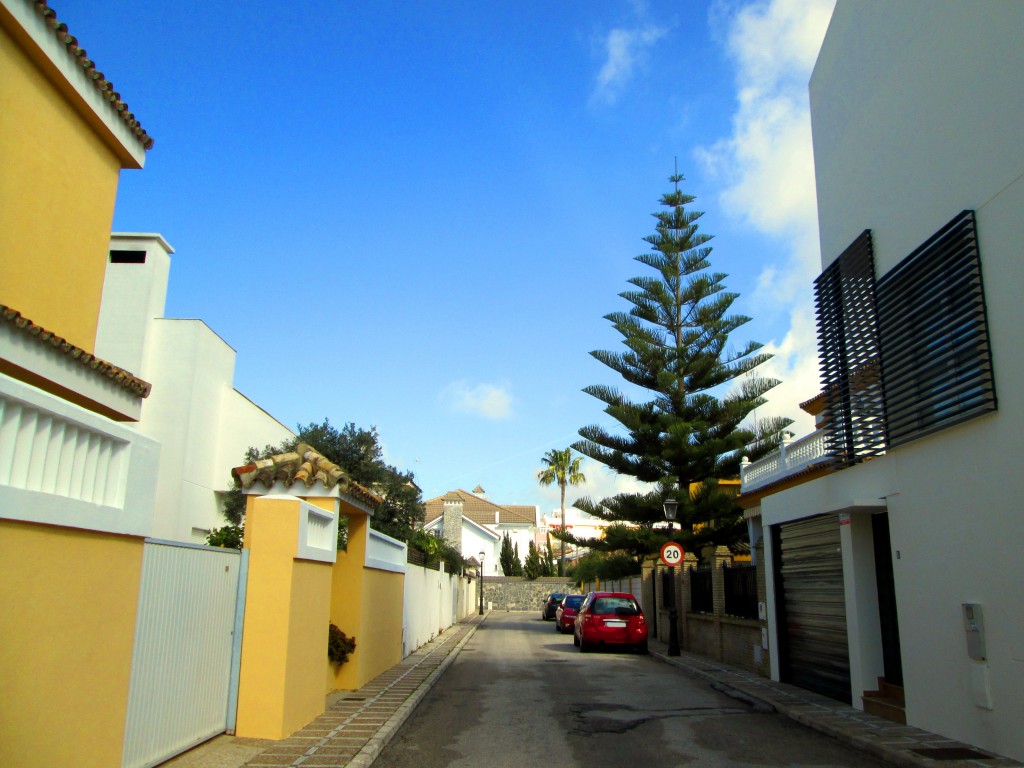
(100, 83)
(123, 378)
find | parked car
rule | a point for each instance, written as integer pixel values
(565, 616)
(610, 618)
(551, 605)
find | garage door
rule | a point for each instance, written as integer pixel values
(811, 606)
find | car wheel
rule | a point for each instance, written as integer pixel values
(642, 648)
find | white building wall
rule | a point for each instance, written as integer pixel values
(917, 116)
(474, 541)
(203, 424)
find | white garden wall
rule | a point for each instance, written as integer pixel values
(433, 601)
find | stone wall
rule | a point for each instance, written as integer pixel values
(514, 593)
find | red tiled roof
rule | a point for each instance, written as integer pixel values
(480, 510)
(120, 376)
(104, 86)
(302, 465)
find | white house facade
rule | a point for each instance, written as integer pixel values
(202, 422)
(472, 524)
(891, 539)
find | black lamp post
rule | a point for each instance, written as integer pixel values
(481, 583)
(669, 506)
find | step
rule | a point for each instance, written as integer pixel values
(882, 706)
(890, 691)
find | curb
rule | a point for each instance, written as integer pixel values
(365, 757)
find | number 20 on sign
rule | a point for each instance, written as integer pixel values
(671, 553)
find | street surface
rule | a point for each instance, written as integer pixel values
(521, 694)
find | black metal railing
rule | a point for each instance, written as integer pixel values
(740, 591)
(702, 596)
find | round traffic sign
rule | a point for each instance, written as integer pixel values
(671, 553)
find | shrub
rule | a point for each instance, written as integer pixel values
(339, 645)
(229, 537)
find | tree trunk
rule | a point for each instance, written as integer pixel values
(561, 559)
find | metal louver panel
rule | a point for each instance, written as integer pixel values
(936, 359)
(814, 652)
(848, 350)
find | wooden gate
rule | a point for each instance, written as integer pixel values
(184, 678)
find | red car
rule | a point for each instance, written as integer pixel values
(565, 616)
(610, 618)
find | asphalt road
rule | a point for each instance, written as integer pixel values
(521, 694)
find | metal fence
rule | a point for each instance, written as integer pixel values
(702, 595)
(740, 591)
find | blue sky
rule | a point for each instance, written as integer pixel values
(414, 216)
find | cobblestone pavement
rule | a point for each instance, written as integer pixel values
(358, 725)
(885, 740)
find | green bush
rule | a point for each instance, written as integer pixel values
(229, 537)
(339, 645)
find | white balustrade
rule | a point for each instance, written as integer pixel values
(789, 459)
(45, 452)
(62, 464)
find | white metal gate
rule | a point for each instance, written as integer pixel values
(184, 678)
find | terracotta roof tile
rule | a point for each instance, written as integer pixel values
(100, 83)
(480, 510)
(120, 376)
(303, 465)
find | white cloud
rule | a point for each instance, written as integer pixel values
(488, 400)
(767, 167)
(623, 50)
(601, 483)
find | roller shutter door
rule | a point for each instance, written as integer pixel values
(813, 650)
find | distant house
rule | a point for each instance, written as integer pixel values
(891, 533)
(472, 524)
(203, 423)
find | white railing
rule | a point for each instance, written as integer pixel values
(789, 459)
(61, 464)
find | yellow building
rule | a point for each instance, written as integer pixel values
(76, 497)
(65, 135)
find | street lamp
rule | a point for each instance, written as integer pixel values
(669, 507)
(481, 583)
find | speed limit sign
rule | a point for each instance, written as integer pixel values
(671, 553)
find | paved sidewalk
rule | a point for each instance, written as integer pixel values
(359, 724)
(885, 740)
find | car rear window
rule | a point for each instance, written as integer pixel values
(606, 605)
(573, 601)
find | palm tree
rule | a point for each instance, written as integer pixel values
(562, 468)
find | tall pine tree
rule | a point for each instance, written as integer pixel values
(688, 427)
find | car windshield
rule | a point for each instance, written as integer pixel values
(573, 601)
(604, 606)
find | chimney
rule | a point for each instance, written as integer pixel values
(453, 521)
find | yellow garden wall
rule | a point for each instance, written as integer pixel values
(366, 604)
(67, 626)
(57, 191)
(286, 617)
